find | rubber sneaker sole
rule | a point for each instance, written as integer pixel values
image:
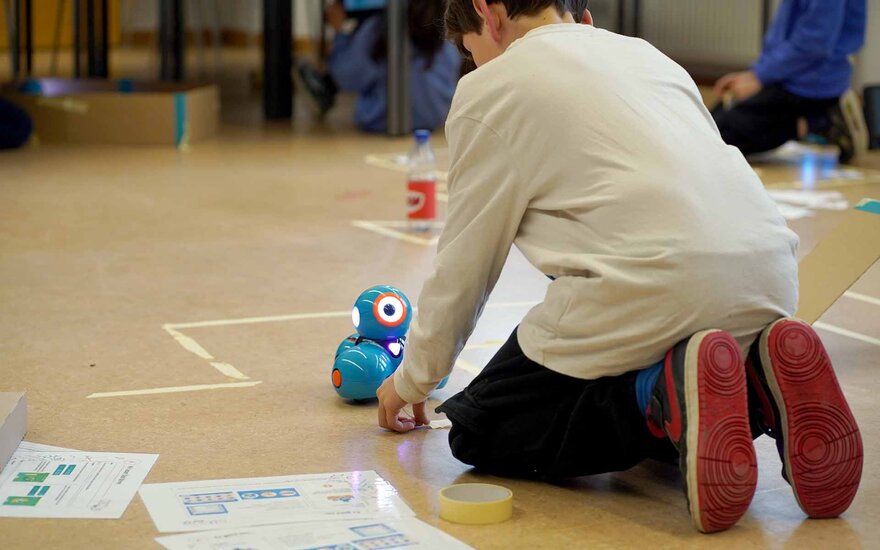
(822, 446)
(721, 466)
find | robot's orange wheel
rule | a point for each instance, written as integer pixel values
(336, 376)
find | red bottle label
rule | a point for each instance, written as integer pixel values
(421, 200)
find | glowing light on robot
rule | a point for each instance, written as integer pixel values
(395, 348)
(355, 317)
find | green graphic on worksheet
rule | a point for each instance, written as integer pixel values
(21, 501)
(30, 477)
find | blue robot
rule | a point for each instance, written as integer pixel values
(364, 360)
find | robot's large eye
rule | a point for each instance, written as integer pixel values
(355, 317)
(389, 310)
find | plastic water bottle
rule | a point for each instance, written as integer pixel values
(421, 198)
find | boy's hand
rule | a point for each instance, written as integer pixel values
(391, 413)
(741, 85)
(335, 16)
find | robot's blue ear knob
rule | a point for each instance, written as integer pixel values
(359, 370)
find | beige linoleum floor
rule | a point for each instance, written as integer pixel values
(102, 246)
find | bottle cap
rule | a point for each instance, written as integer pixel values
(422, 136)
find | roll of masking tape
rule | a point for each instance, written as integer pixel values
(476, 503)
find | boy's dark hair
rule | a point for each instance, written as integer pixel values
(462, 19)
(577, 8)
(425, 24)
(425, 19)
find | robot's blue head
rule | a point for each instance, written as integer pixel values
(382, 312)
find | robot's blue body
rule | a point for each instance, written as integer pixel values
(364, 360)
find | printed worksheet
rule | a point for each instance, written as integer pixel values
(215, 504)
(45, 482)
(333, 535)
(39, 447)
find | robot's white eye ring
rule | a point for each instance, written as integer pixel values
(389, 309)
(355, 317)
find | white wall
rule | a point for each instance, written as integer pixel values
(138, 16)
(243, 15)
(703, 31)
(726, 32)
(868, 61)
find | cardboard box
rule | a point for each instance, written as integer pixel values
(13, 424)
(839, 260)
(117, 111)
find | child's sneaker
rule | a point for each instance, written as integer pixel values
(798, 402)
(700, 403)
(320, 87)
(846, 127)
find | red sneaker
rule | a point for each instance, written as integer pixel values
(700, 402)
(817, 436)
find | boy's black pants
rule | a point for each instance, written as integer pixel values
(518, 418)
(769, 118)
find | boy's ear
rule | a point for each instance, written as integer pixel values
(587, 18)
(483, 9)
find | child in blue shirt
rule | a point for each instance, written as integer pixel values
(358, 63)
(801, 73)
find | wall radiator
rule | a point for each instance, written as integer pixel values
(704, 35)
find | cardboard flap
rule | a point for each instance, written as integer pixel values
(13, 424)
(117, 111)
(839, 260)
(55, 87)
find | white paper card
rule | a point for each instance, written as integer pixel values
(223, 503)
(39, 447)
(824, 200)
(70, 484)
(333, 535)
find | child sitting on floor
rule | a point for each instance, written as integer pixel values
(594, 154)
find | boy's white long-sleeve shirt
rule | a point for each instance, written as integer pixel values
(594, 154)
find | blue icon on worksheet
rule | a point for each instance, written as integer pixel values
(263, 494)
